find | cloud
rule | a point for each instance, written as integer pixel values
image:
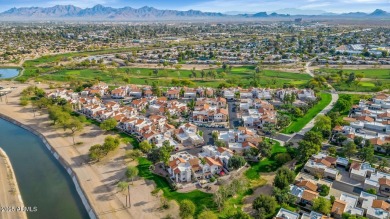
(315, 5)
(272, 5)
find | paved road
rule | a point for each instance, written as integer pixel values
(234, 121)
(283, 137)
(335, 97)
(310, 125)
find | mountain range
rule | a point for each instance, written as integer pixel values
(100, 12)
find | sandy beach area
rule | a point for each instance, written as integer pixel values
(97, 180)
(9, 191)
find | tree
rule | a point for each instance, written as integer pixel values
(133, 154)
(323, 123)
(358, 140)
(187, 209)
(108, 124)
(283, 196)
(145, 147)
(215, 135)
(131, 172)
(284, 177)
(241, 215)
(343, 105)
(154, 155)
(111, 143)
(122, 186)
(324, 190)
(236, 162)
(265, 203)
(96, 152)
(372, 191)
(165, 152)
(383, 164)
(322, 205)
(366, 154)
(282, 121)
(75, 126)
(265, 148)
(386, 147)
(313, 137)
(64, 120)
(42, 103)
(332, 150)
(349, 149)
(55, 113)
(282, 158)
(24, 100)
(307, 149)
(207, 215)
(351, 77)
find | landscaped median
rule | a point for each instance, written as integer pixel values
(298, 124)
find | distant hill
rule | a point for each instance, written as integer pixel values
(379, 13)
(100, 12)
(296, 11)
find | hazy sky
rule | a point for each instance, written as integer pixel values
(217, 5)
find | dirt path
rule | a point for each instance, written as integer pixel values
(97, 180)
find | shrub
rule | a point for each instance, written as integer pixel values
(372, 191)
(324, 190)
(282, 158)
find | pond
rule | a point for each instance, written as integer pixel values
(8, 72)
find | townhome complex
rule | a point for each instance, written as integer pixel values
(354, 182)
(369, 120)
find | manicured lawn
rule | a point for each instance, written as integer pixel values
(242, 75)
(366, 84)
(233, 205)
(368, 73)
(374, 80)
(297, 125)
(128, 139)
(265, 165)
(200, 199)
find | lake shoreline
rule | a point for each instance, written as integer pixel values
(80, 191)
(14, 181)
(19, 69)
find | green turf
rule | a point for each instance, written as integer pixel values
(265, 165)
(243, 75)
(200, 199)
(297, 125)
(368, 73)
(373, 80)
(366, 84)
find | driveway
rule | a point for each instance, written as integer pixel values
(208, 139)
(346, 188)
(234, 121)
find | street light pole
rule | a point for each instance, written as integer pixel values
(128, 190)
